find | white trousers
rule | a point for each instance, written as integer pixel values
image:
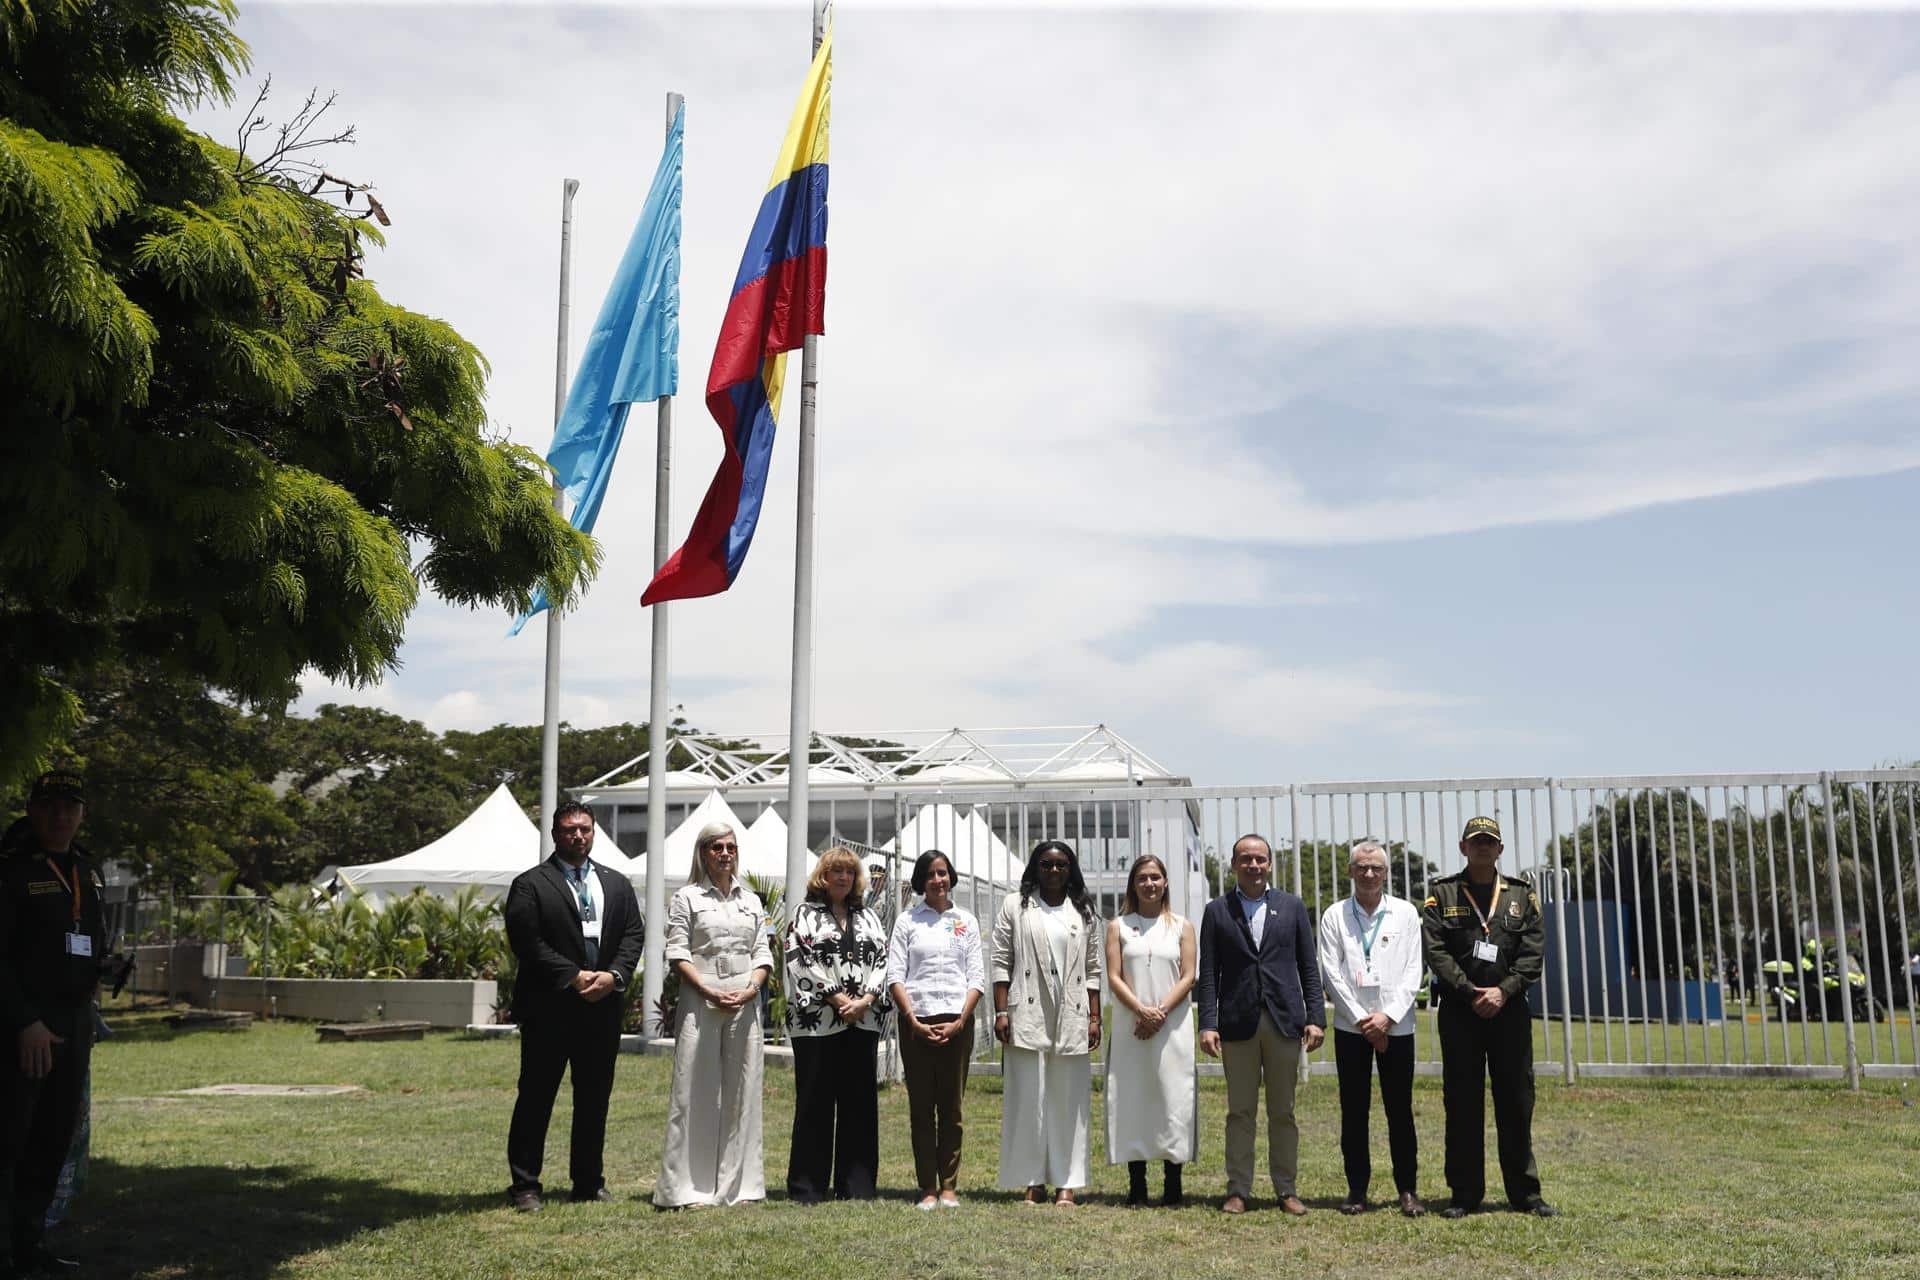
(1045, 1118)
(712, 1150)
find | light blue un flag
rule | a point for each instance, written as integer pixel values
(632, 356)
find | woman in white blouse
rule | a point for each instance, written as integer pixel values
(717, 943)
(836, 957)
(1046, 998)
(1152, 961)
(936, 972)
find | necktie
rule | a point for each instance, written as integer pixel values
(584, 895)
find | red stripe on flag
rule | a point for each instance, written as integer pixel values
(769, 315)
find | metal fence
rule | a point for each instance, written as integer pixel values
(1726, 924)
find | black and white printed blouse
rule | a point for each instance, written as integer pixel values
(825, 960)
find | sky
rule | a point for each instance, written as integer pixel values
(1305, 396)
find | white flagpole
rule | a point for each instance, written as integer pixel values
(800, 723)
(550, 732)
(653, 972)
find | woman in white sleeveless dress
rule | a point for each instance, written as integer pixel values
(1152, 962)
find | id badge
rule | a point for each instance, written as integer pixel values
(1485, 950)
(79, 944)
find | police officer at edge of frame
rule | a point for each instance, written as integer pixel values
(1486, 944)
(52, 940)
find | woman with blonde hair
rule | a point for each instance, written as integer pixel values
(836, 957)
(717, 943)
(1152, 963)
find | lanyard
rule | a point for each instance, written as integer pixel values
(582, 893)
(1366, 939)
(73, 888)
(1486, 917)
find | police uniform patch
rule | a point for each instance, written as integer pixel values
(1432, 902)
(44, 886)
(1455, 911)
(1513, 909)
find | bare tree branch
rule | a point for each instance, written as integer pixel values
(286, 162)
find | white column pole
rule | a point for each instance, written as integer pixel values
(550, 732)
(654, 963)
(800, 723)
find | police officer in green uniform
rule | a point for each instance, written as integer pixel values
(52, 941)
(1485, 943)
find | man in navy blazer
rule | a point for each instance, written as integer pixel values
(576, 931)
(1260, 1009)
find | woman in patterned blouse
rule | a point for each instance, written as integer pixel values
(836, 961)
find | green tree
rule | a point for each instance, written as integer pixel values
(510, 754)
(180, 783)
(225, 450)
(376, 785)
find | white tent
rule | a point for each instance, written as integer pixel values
(763, 847)
(492, 845)
(679, 846)
(968, 842)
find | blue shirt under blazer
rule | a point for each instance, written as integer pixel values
(1280, 976)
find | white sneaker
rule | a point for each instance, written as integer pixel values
(926, 1206)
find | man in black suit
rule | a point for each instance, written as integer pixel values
(576, 931)
(1260, 995)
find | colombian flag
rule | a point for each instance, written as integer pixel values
(779, 296)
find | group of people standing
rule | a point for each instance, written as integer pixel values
(1257, 972)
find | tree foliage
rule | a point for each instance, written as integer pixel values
(226, 451)
(190, 791)
(1719, 894)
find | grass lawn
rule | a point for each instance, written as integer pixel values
(1655, 1178)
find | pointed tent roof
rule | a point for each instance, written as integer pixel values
(969, 842)
(763, 847)
(490, 846)
(679, 845)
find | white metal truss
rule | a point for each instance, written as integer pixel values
(896, 761)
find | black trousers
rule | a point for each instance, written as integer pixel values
(39, 1123)
(1356, 1060)
(836, 1117)
(585, 1037)
(1473, 1048)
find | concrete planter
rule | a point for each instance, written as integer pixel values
(442, 1002)
(197, 978)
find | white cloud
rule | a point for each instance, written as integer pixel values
(1681, 243)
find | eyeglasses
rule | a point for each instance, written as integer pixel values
(1364, 870)
(723, 848)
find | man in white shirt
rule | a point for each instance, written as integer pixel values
(1370, 954)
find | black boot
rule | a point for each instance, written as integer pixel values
(1136, 1183)
(1170, 1194)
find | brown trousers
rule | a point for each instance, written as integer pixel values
(936, 1085)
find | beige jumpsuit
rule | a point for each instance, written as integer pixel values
(712, 1149)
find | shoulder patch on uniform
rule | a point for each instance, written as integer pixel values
(1432, 902)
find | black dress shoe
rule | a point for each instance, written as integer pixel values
(525, 1201)
(602, 1196)
(1454, 1211)
(1539, 1209)
(42, 1261)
